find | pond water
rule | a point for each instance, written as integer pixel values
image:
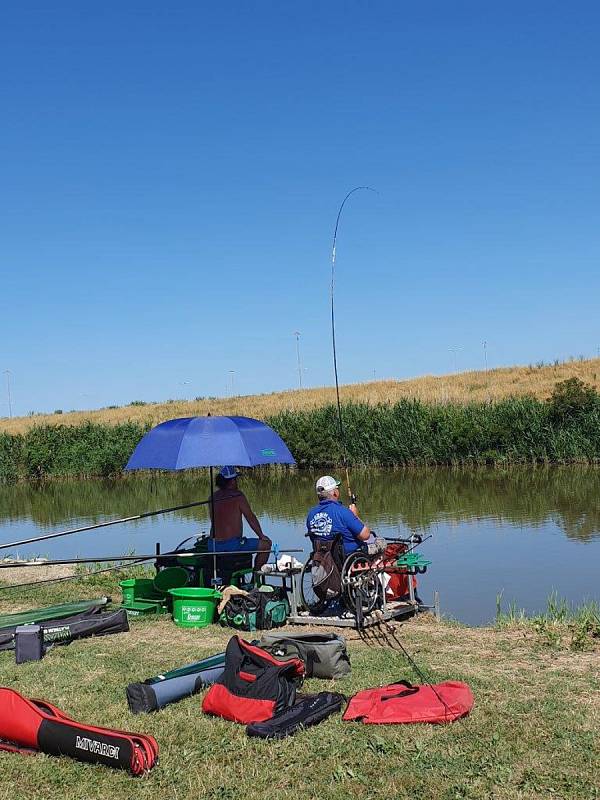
(522, 533)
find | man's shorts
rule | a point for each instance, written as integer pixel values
(237, 544)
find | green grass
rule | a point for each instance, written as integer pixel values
(562, 625)
(533, 731)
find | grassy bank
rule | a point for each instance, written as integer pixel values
(533, 732)
(464, 388)
(563, 429)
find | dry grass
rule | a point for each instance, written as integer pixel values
(462, 387)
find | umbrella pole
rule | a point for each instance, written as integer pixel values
(212, 527)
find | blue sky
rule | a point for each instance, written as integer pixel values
(171, 173)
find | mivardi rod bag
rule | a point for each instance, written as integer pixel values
(30, 725)
(143, 698)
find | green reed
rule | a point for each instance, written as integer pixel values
(565, 429)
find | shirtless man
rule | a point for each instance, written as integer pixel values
(230, 509)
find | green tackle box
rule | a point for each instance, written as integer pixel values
(143, 608)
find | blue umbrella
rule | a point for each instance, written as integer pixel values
(209, 442)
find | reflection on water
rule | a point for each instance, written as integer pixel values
(524, 531)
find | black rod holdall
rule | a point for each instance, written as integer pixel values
(324, 654)
(77, 626)
(309, 710)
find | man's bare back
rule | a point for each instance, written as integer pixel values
(231, 506)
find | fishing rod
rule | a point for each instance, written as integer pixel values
(351, 495)
(76, 576)
(133, 518)
(418, 671)
(153, 557)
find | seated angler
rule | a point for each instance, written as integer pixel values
(331, 517)
(231, 507)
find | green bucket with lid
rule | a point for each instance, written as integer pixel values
(170, 578)
(194, 607)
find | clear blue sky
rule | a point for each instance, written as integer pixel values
(171, 172)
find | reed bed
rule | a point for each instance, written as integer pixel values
(563, 429)
(463, 388)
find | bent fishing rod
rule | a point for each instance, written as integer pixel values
(133, 518)
(351, 494)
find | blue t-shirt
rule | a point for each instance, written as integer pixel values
(331, 517)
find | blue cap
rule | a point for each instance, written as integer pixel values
(229, 473)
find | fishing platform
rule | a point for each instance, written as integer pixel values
(395, 610)
(386, 610)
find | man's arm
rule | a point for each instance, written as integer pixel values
(364, 534)
(357, 527)
(251, 517)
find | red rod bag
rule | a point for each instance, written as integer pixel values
(255, 686)
(403, 702)
(27, 726)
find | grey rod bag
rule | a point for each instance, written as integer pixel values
(143, 698)
(324, 654)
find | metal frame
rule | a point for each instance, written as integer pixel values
(393, 610)
(390, 609)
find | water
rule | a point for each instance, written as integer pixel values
(523, 533)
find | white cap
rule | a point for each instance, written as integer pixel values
(326, 484)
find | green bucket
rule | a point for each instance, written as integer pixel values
(138, 589)
(170, 578)
(194, 607)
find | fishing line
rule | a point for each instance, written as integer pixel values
(335, 366)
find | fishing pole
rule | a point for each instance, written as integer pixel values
(133, 518)
(76, 576)
(351, 495)
(152, 557)
(418, 671)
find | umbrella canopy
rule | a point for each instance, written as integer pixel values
(209, 442)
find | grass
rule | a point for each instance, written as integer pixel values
(462, 388)
(562, 626)
(533, 732)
